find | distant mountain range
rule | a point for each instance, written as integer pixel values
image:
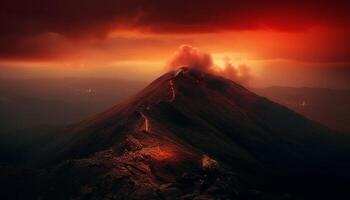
(34, 102)
(37, 102)
(327, 106)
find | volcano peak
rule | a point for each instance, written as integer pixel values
(188, 128)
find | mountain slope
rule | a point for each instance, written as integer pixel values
(193, 135)
(203, 110)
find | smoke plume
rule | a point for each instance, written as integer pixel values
(194, 58)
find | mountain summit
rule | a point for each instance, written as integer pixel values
(192, 135)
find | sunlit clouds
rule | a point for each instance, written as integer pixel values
(264, 41)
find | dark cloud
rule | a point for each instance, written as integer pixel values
(94, 19)
(194, 58)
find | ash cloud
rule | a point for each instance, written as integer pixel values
(194, 58)
(240, 73)
(190, 56)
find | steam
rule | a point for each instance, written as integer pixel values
(194, 58)
(241, 73)
(190, 56)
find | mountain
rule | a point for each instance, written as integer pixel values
(325, 105)
(194, 135)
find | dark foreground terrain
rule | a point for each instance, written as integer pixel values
(188, 135)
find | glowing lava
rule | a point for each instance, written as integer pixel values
(178, 71)
(209, 163)
(146, 122)
(159, 153)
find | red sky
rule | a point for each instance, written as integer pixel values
(283, 42)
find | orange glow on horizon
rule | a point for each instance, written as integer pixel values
(145, 55)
